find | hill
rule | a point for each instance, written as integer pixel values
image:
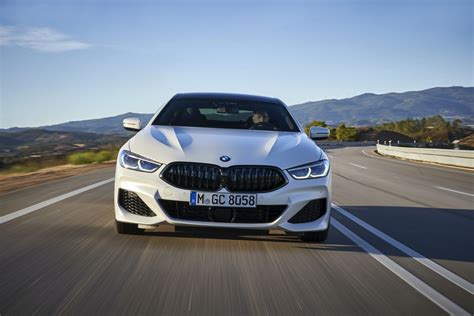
(38, 142)
(363, 110)
(106, 125)
(371, 109)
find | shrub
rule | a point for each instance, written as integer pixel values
(81, 158)
(345, 133)
(24, 167)
(103, 155)
(91, 156)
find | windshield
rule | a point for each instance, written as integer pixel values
(218, 113)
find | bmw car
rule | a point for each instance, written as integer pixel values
(223, 160)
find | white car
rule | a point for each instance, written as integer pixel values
(223, 160)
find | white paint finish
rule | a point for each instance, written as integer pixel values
(430, 293)
(356, 165)
(186, 144)
(167, 144)
(451, 190)
(30, 209)
(448, 275)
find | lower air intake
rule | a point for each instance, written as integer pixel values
(312, 211)
(183, 211)
(132, 203)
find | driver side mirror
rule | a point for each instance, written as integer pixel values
(318, 132)
(132, 124)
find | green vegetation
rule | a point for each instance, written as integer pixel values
(32, 164)
(79, 158)
(427, 129)
(87, 157)
(28, 166)
(344, 133)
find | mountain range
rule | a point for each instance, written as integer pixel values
(39, 141)
(362, 110)
(106, 125)
(370, 109)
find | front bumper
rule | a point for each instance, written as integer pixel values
(151, 188)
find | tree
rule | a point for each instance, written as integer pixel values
(344, 133)
(456, 123)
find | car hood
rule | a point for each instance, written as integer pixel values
(167, 144)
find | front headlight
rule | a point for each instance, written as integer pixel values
(313, 170)
(133, 161)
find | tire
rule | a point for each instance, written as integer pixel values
(320, 236)
(129, 229)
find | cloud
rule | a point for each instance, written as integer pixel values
(41, 39)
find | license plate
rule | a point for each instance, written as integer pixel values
(223, 199)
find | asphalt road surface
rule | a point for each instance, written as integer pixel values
(401, 241)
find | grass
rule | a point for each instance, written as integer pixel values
(79, 158)
(26, 167)
(88, 157)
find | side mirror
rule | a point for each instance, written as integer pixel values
(132, 124)
(318, 132)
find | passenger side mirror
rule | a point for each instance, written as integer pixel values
(132, 124)
(318, 132)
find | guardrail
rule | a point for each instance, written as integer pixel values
(460, 158)
(326, 144)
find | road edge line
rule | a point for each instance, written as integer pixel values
(453, 191)
(433, 266)
(436, 297)
(27, 210)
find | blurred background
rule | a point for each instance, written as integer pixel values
(369, 70)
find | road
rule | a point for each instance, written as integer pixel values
(401, 242)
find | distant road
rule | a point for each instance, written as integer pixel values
(401, 242)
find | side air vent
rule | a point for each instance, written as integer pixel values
(132, 203)
(312, 211)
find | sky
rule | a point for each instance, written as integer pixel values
(72, 60)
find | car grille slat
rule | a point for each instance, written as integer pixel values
(179, 210)
(195, 176)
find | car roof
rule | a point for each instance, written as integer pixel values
(231, 96)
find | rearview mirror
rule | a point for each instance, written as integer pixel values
(318, 132)
(227, 110)
(132, 124)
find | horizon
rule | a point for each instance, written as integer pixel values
(71, 61)
(152, 113)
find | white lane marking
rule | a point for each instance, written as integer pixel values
(356, 165)
(27, 210)
(445, 273)
(430, 293)
(425, 165)
(450, 190)
(330, 156)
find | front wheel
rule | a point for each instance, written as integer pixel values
(127, 228)
(320, 236)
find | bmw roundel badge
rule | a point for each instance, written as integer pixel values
(225, 158)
